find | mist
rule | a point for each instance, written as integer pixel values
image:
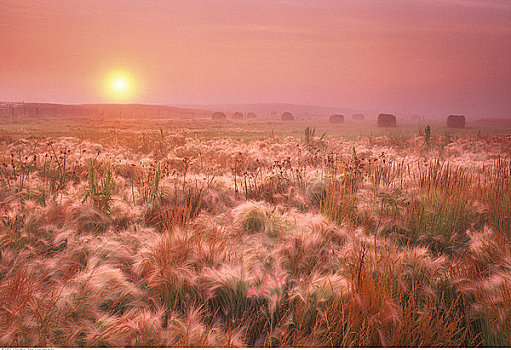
(406, 57)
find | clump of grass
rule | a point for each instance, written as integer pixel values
(487, 249)
(495, 191)
(441, 220)
(316, 189)
(155, 190)
(169, 276)
(251, 216)
(166, 216)
(100, 193)
(340, 199)
(254, 217)
(304, 254)
(311, 141)
(17, 293)
(226, 294)
(88, 219)
(490, 314)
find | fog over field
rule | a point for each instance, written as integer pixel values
(406, 57)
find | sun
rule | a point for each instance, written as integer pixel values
(119, 85)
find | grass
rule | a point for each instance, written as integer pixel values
(195, 233)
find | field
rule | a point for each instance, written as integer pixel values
(189, 233)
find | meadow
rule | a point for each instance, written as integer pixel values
(186, 233)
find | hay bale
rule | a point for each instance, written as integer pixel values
(238, 115)
(336, 118)
(456, 121)
(358, 116)
(218, 116)
(387, 120)
(251, 116)
(287, 116)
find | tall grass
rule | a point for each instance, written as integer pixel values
(167, 237)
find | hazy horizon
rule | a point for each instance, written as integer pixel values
(429, 57)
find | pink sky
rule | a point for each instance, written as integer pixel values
(407, 56)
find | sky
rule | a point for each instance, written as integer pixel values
(426, 57)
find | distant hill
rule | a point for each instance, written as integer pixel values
(153, 111)
(18, 109)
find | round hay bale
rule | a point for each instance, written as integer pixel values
(456, 121)
(387, 120)
(251, 116)
(218, 116)
(238, 115)
(287, 116)
(336, 119)
(358, 116)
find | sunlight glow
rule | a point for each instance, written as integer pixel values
(119, 85)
